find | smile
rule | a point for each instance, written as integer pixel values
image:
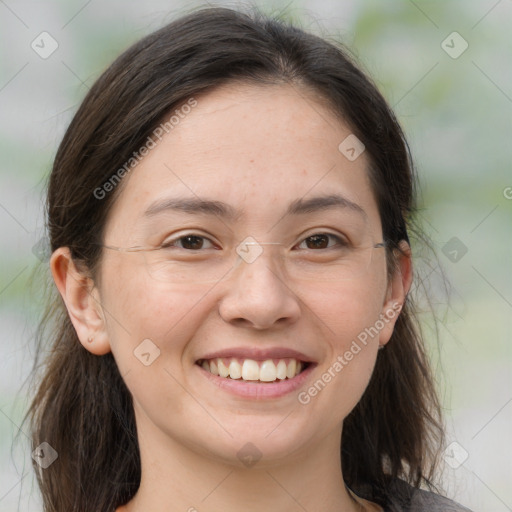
(267, 371)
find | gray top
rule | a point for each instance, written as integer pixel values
(402, 497)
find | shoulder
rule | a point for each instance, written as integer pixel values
(405, 498)
(399, 496)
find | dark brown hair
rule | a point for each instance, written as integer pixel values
(82, 407)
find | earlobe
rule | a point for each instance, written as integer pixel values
(82, 301)
(398, 288)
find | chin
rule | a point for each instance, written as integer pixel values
(267, 440)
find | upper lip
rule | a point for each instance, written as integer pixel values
(258, 354)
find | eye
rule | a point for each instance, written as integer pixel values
(192, 242)
(320, 241)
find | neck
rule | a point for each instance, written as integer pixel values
(175, 474)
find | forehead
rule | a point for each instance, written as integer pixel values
(256, 148)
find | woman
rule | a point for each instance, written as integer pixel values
(228, 215)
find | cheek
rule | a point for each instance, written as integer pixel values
(347, 309)
(349, 316)
(139, 308)
(149, 338)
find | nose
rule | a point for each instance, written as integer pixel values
(258, 294)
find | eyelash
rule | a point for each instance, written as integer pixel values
(170, 243)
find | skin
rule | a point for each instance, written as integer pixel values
(256, 148)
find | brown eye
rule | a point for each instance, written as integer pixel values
(321, 241)
(192, 242)
(188, 242)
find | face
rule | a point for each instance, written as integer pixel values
(258, 150)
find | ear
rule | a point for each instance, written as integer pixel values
(82, 302)
(397, 290)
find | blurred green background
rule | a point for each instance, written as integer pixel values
(455, 104)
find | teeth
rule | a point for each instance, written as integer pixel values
(235, 370)
(223, 369)
(268, 371)
(290, 371)
(251, 370)
(281, 370)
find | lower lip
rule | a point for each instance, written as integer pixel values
(256, 390)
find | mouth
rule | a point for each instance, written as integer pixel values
(266, 371)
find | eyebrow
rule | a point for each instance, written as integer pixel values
(196, 206)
